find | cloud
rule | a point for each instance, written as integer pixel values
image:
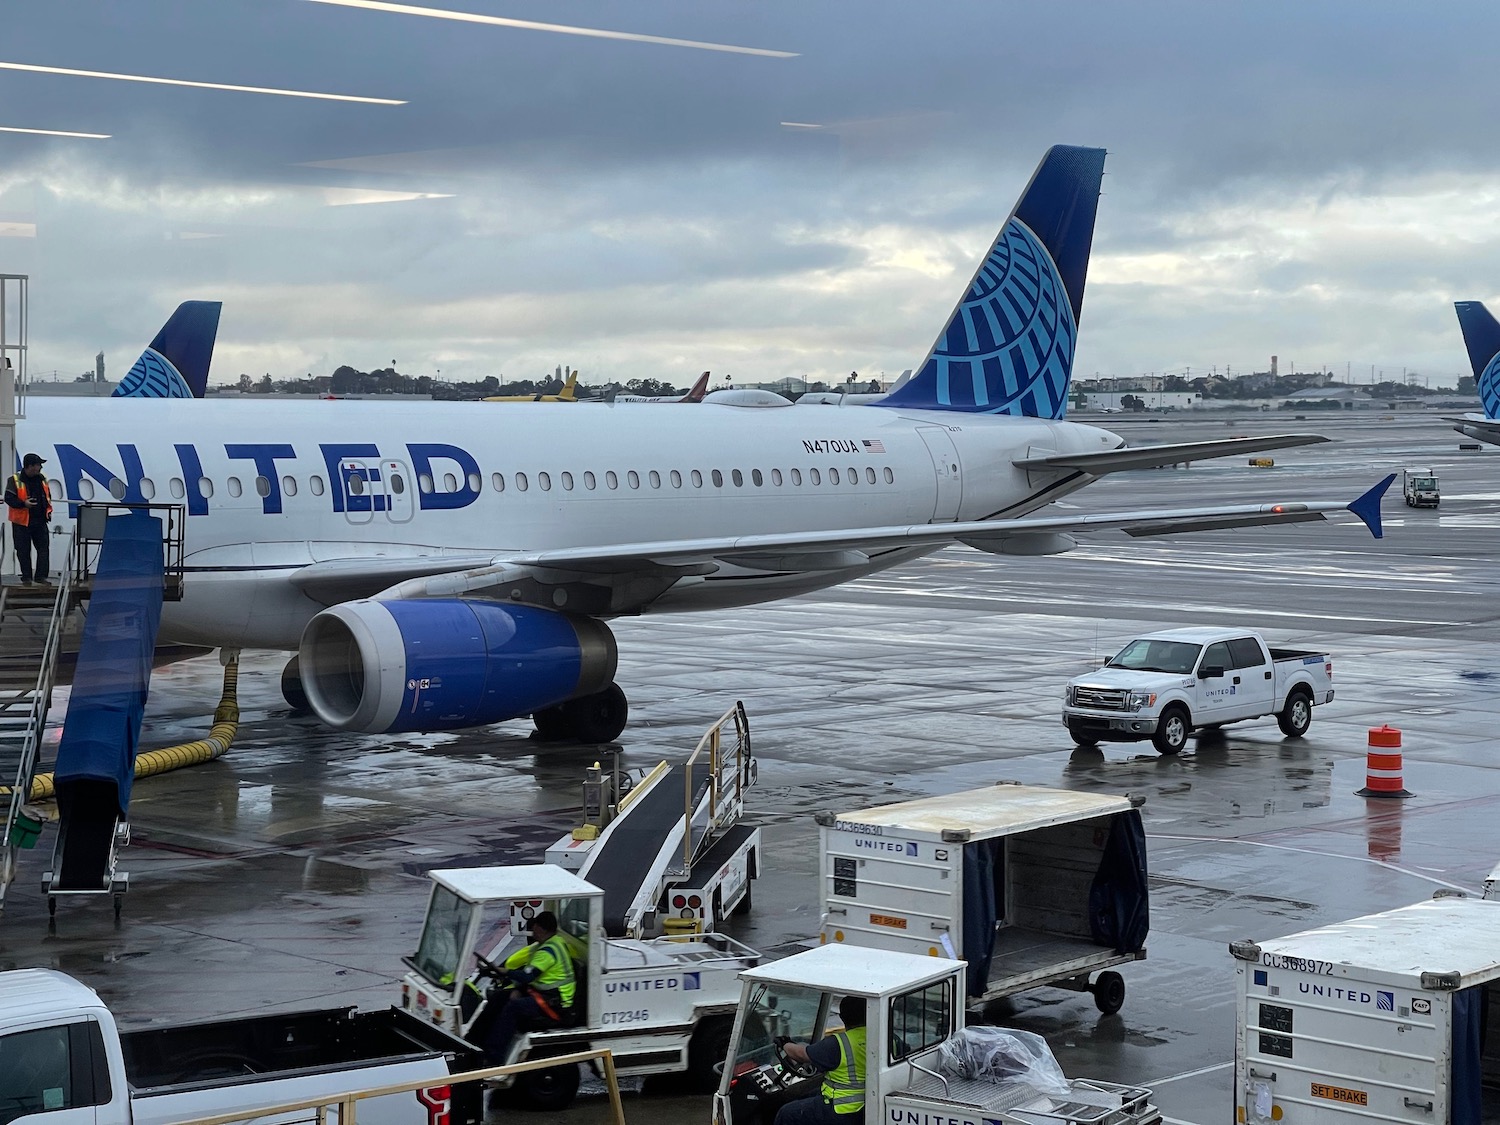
(1289, 178)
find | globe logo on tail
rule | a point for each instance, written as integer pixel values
(1489, 387)
(1009, 347)
(153, 376)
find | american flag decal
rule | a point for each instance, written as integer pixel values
(873, 446)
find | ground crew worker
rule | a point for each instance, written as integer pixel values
(542, 977)
(841, 1058)
(29, 506)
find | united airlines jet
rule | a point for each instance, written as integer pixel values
(452, 565)
(1482, 339)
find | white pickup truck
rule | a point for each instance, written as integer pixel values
(63, 1061)
(1163, 686)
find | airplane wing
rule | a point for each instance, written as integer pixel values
(1155, 456)
(1486, 428)
(623, 578)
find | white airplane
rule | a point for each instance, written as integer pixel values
(847, 398)
(449, 565)
(695, 393)
(1482, 339)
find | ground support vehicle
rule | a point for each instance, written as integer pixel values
(1030, 886)
(1380, 1018)
(1419, 488)
(63, 1061)
(668, 847)
(1164, 685)
(914, 1006)
(663, 1006)
(1492, 885)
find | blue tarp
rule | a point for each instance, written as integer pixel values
(1466, 1088)
(984, 906)
(113, 674)
(1119, 900)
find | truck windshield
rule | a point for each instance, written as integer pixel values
(778, 1009)
(443, 936)
(1157, 656)
(1426, 484)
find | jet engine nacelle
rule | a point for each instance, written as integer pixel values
(443, 664)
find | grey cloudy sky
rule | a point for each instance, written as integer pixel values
(1312, 179)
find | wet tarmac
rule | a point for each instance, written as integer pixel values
(291, 873)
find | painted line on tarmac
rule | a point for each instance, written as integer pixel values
(1188, 1074)
(1314, 851)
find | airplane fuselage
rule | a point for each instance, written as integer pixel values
(272, 486)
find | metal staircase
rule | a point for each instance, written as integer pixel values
(31, 627)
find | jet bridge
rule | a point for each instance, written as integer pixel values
(676, 834)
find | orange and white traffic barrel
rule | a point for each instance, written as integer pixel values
(1383, 764)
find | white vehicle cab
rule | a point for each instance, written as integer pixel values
(919, 1059)
(63, 1061)
(1419, 487)
(1165, 685)
(1390, 1017)
(662, 1007)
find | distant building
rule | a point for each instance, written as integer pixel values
(1329, 398)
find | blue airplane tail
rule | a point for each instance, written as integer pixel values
(176, 363)
(1008, 346)
(1482, 338)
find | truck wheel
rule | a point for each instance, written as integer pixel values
(707, 1052)
(1109, 993)
(1172, 730)
(1082, 740)
(547, 1090)
(1296, 716)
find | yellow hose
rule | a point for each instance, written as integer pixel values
(153, 762)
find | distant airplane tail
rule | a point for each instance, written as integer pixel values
(699, 389)
(176, 363)
(569, 391)
(1008, 346)
(1482, 338)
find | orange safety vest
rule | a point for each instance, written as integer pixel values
(23, 515)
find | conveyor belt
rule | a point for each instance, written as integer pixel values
(623, 859)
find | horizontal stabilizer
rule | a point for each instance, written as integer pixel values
(1155, 456)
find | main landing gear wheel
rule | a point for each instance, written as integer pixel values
(1109, 992)
(291, 686)
(591, 718)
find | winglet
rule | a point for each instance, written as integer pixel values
(1367, 507)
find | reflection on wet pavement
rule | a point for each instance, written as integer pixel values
(291, 873)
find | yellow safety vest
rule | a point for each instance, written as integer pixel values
(844, 1086)
(557, 972)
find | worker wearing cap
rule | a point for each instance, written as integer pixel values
(841, 1058)
(29, 506)
(544, 986)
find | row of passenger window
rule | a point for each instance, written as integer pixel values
(520, 482)
(695, 478)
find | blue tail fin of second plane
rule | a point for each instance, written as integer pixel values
(176, 363)
(1008, 346)
(1482, 338)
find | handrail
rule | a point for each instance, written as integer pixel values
(346, 1101)
(174, 517)
(711, 740)
(20, 788)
